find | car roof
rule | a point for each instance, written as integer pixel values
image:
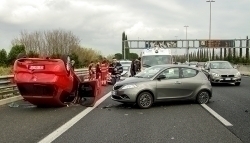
(217, 61)
(175, 66)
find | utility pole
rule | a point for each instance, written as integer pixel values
(175, 52)
(187, 44)
(209, 45)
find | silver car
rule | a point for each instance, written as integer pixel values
(162, 83)
(221, 72)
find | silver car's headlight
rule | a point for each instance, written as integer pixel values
(215, 75)
(237, 74)
(129, 86)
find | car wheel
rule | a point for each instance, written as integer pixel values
(203, 97)
(66, 60)
(145, 100)
(237, 84)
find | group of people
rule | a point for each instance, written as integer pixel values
(102, 70)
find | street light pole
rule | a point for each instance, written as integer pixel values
(209, 45)
(187, 44)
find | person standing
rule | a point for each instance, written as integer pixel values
(133, 68)
(104, 72)
(91, 71)
(115, 68)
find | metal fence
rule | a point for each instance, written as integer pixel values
(9, 89)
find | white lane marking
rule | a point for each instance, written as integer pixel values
(216, 115)
(51, 137)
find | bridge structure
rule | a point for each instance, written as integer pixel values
(189, 44)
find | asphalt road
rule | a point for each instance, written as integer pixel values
(29, 124)
(114, 122)
(233, 104)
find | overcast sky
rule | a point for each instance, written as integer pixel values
(100, 23)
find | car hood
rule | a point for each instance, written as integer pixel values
(224, 71)
(132, 80)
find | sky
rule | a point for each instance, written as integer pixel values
(100, 23)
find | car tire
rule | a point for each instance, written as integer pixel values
(203, 97)
(237, 84)
(66, 61)
(145, 100)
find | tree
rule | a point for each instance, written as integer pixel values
(118, 56)
(126, 48)
(123, 44)
(47, 43)
(3, 57)
(32, 54)
(247, 49)
(133, 56)
(15, 50)
(74, 57)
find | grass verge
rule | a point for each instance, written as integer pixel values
(5, 71)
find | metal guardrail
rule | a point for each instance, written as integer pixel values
(8, 89)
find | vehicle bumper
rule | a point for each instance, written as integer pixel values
(226, 80)
(126, 96)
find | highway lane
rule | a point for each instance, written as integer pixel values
(171, 121)
(166, 122)
(28, 124)
(233, 103)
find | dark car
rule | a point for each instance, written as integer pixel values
(162, 83)
(221, 72)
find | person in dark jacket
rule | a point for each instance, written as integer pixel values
(116, 69)
(98, 71)
(133, 68)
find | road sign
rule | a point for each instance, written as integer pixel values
(217, 43)
(162, 44)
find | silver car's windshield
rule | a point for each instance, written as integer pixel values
(221, 65)
(149, 72)
(152, 60)
(125, 62)
(126, 68)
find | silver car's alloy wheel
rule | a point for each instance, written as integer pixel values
(203, 97)
(145, 100)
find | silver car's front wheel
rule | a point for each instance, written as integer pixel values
(145, 100)
(203, 97)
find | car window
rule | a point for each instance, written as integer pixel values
(187, 72)
(171, 73)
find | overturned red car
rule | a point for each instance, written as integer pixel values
(51, 82)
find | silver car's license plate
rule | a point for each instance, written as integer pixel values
(113, 92)
(228, 79)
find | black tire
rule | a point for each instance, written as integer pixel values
(21, 55)
(237, 84)
(145, 100)
(65, 59)
(203, 97)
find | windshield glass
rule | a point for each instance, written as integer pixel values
(125, 62)
(149, 72)
(221, 65)
(125, 68)
(152, 60)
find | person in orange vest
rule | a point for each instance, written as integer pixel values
(104, 71)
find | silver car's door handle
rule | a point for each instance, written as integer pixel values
(177, 82)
